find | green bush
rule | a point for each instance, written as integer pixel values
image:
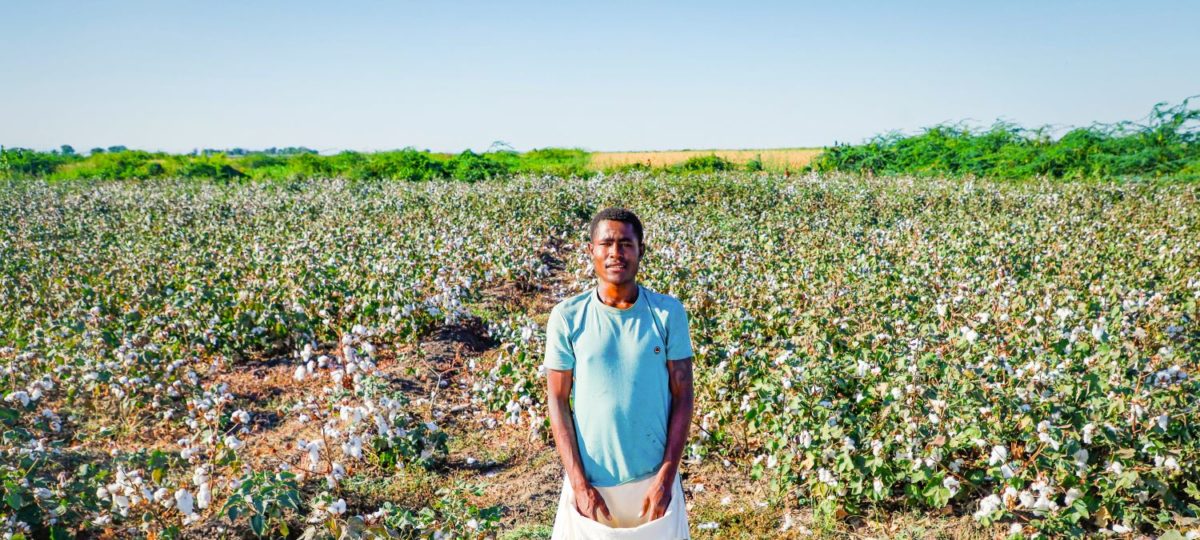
(710, 163)
(407, 164)
(563, 162)
(109, 166)
(1168, 144)
(471, 167)
(25, 162)
(215, 166)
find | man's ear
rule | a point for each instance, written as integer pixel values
(641, 250)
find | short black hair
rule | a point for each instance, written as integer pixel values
(617, 214)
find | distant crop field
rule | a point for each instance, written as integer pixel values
(773, 159)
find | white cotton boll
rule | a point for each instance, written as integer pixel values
(314, 453)
(1044, 504)
(310, 366)
(338, 508)
(163, 496)
(336, 375)
(232, 442)
(1163, 421)
(1007, 471)
(1081, 458)
(353, 447)
(200, 475)
(951, 484)
(204, 497)
(1120, 529)
(988, 505)
(339, 471)
(1088, 431)
(877, 486)
(1045, 438)
(999, 456)
(240, 416)
(184, 501)
(299, 374)
(1073, 495)
(805, 439)
(20, 396)
(968, 334)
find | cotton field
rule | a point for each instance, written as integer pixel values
(200, 358)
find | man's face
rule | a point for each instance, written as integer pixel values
(615, 252)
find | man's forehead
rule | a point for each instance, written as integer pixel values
(612, 229)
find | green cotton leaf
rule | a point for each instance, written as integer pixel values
(14, 500)
(1171, 535)
(257, 524)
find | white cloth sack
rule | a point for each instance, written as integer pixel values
(624, 502)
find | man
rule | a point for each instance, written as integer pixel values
(624, 354)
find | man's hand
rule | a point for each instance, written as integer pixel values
(658, 498)
(590, 504)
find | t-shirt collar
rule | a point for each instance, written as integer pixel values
(627, 311)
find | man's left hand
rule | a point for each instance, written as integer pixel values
(657, 498)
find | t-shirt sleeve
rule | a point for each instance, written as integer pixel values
(679, 345)
(559, 353)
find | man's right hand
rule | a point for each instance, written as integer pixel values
(590, 504)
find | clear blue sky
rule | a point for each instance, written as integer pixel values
(446, 75)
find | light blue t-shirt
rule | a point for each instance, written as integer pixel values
(621, 392)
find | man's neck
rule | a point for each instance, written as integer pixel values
(620, 296)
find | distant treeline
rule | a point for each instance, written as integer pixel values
(119, 162)
(1166, 144)
(288, 163)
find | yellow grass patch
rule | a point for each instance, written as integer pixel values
(774, 158)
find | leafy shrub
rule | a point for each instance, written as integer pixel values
(471, 167)
(213, 167)
(1168, 144)
(561, 162)
(710, 163)
(407, 164)
(755, 164)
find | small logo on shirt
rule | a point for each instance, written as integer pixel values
(657, 350)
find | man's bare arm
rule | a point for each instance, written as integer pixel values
(558, 396)
(658, 498)
(682, 405)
